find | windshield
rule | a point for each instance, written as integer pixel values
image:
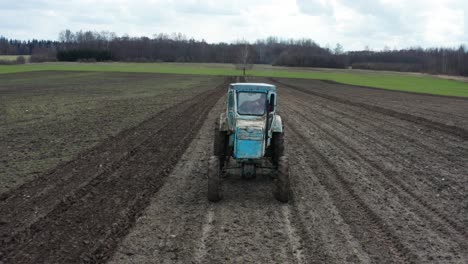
(251, 103)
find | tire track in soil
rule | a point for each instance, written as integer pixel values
(453, 130)
(294, 236)
(176, 225)
(436, 219)
(378, 241)
(326, 236)
(87, 225)
(202, 251)
(250, 225)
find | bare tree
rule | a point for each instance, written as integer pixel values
(66, 36)
(244, 60)
(338, 49)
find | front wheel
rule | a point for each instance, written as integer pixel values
(214, 180)
(283, 187)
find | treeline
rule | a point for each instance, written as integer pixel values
(434, 60)
(107, 46)
(40, 50)
(84, 55)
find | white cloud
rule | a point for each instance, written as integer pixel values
(354, 24)
(445, 26)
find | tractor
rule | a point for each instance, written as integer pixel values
(251, 132)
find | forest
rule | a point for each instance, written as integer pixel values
(90, 46)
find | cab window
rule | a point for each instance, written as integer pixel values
(250, 103)
(230, 100)
(271, 104)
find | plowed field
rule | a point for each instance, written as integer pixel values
(377, 177)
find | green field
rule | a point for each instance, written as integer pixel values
(12, 57)
(385, 80)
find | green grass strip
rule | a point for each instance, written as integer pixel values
(390, 81)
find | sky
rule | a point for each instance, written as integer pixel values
(355, 24)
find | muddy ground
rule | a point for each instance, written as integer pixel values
(47, 118)
(377, 177)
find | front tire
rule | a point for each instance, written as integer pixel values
(214, 180)
(283, 187)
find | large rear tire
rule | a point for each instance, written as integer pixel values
(214, 179)
(221, 145)
(277, 147)
(283, 187)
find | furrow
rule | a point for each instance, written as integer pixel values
(453, 130)
(87, 226)
(426, 211)
(364, 222)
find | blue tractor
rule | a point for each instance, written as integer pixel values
(251, 132)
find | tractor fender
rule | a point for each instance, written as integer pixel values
(223, 125)
(277, 124)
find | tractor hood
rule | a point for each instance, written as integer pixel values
(251, 126)
(249, 141)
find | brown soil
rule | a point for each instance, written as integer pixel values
(377, 177)
(78, 212)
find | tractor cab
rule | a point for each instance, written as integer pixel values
(251, 99)
(250, 117)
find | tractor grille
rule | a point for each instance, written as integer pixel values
(250, 134)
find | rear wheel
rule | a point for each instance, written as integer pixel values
(221, 145)
(277, 147)
(214, 180)
(283, 187)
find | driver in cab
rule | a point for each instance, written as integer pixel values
(253, 107)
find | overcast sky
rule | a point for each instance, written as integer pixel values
(353, 23)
